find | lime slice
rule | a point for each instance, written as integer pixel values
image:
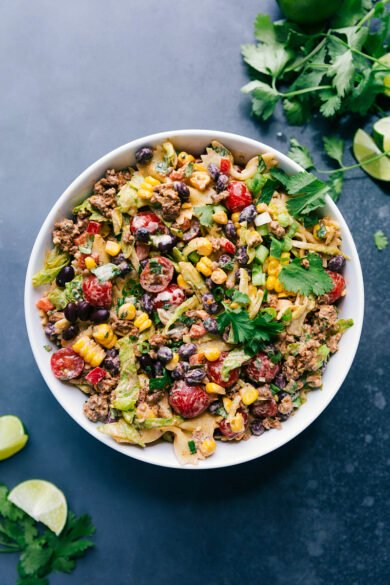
(364, 148)
(12, 436)
(381, 133)
(43, 501)
(386, 61)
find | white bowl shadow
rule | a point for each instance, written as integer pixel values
(71, 399)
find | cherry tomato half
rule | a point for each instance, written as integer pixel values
(338, 286)
(228, 246)
(147, 220)
(172, 295)
(98, 294)
(93, 227)
(66, 364)
(239, 196)
(96, 375)
(214, 372)
(225, 165)
(261, 368)
(157, 274)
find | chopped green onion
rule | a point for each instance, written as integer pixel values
(258, 276)
(261, 253)
(192, 447)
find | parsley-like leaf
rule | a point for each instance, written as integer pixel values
(334, 148)
(381, 240)
(311, 280)
(161, 382)
(205, 214)
(300, 154)
(251, 333)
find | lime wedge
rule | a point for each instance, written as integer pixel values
(364, 148)
(43, 501)
(381, 133)
(12, 436)
(386, 61)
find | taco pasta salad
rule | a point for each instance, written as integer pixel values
(193, 299)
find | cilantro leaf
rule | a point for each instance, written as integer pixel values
(240, 298)
(334, 148)
(251, 333)
(205, 214)
(268, 190)
(296, 111)
(300, 154)
(264, 97)
(159, 383)
(381, 240)
(311, 280)
(342, 70)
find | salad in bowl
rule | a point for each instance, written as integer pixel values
(193, 298)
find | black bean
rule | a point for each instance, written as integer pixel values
(100, 315)
(147, 303)
(70, 332)
(336, 263)
(225, 260)
(214, 406)
(248, 214)
(84, 310)
(158, 368)
(179, 372)
(166, 243)
(214, 171)
(209, 283)
(143, 263)
(222, 183)
(192, 232)
(242, 256)
(230, 230)
(257, 428)
(164, 354)
(147, 363)
(211, 325)
(142, 235)
(210, 304)
(144, 155)
(118, 259)
(186, 350)
(125, 268)
(182, 189)
(65, 275)
(196, 376)
(280, 381)
(111, 361)
(70, 312)
(51, 332)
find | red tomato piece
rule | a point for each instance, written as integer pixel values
(66, 364)
(228, 246)
(172, 295)
(96, 375)
(98, 294)
(225, 165)
(177, 175)
(239, 196)
(44, 304)
(338, 286)
(81, 239)
(261, 368)
(226, 429)
(188, 401)
(93, 227)
(214, 370)
(147, 220)
(197, 330)
(157, 274)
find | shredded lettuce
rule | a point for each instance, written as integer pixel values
(155, 423)
(58, 298)
(122, 432)
(128, 199)
(54, 262)
(127, 391)
(343, 324)
(233, 360)
(190, 303)
(323, 353)
(106, 272)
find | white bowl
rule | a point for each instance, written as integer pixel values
(352, 306)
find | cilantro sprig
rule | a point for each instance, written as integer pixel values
(41, 552)
(310, 279)
(333, 71)
(381, 240)
(251, 333)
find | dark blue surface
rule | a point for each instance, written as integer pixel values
(78, 79)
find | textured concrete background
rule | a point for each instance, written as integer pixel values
(79, 78)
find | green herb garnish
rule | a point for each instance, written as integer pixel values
(311, 280)
(192, 447)
(381, 240)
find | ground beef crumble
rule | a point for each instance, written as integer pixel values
(66, 231)
(169, 200)
(96, 408)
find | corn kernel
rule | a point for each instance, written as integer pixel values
(182, 283)
(152, 181)
(227, 403)
(200, 180)
(203, 267)
(144, 193)
(112, 248)
(237, 423)
(104, 335)
(278, 286)
(249, 395)
(204, 247)
(273, 267)
(212, 354)
(218, 276)
(90, 351)
(200, 167)
(261, 207)
(207, 447)
(285, 258)
(234, 305)
(171, 365)
(212, 388)
(90, 263)
(270, 283)
(220, 217)
(127, 311)
(235, 217)
(143, 322)
(187, 205)
(184, 158)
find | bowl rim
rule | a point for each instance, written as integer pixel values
(104, 161)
